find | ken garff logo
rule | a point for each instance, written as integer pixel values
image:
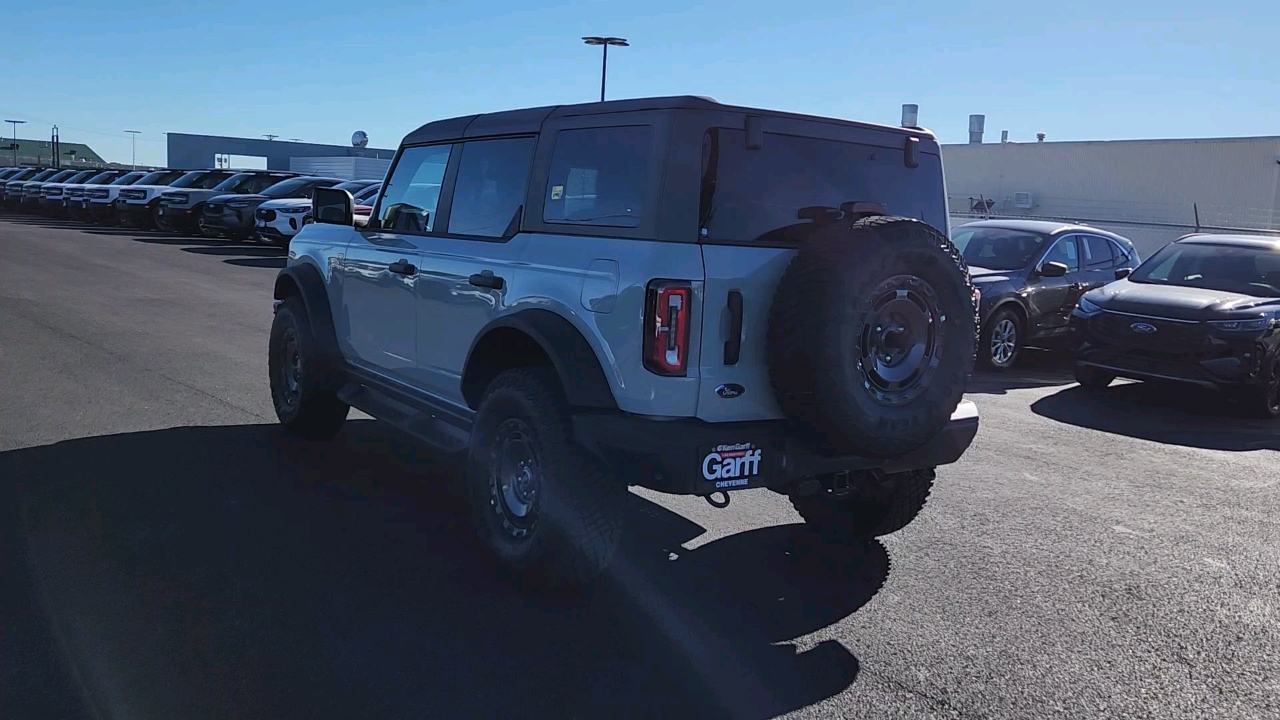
(730, 390)
(1143, 328)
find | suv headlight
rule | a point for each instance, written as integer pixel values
(292, 210)
(239, 203)
(1249, 325)
(1087, 308)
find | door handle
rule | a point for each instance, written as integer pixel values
(402, 267)
(486, 279)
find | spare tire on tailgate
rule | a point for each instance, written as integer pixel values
(871, 335)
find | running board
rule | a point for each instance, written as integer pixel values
(431, 428)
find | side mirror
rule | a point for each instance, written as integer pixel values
(1122, 273)
(1053, 269)
(333, 207)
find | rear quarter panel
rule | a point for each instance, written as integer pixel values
(599, 284)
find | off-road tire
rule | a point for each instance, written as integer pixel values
(986, 350)
(822, 316)
(579, 504)
(863, 518)
(310, 411)
(1092, 378)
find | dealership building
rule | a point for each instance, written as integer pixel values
(194, 152)
(1151, 191)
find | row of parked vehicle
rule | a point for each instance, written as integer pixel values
(1203, 310)
(263, 205)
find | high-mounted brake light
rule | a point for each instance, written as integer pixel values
(666, 327)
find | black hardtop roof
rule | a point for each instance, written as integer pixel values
(530, 120)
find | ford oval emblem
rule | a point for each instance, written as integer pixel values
(730, 390)
(1143, 328)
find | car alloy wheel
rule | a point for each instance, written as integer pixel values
(1004, 342)
(290, 370)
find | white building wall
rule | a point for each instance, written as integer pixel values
(347, 168)
(1147, 190)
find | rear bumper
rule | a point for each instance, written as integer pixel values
(692, 457)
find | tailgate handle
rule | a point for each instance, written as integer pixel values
(733, 346)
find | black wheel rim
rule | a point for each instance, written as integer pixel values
(515, 479)
(902, 340)
(1004, 342)
(290, 370)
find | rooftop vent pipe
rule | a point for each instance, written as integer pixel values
(910, 115)
(976, 125)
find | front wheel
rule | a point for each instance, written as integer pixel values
(1266, 401)
(882, 506)
(1093, 378)
(304, 406)
(1001, 340)
(543, 506)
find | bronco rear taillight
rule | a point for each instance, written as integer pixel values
(666, 327)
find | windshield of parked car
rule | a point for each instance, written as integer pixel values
(60, 176)
(368, 194)
(102, 178)
(296, 187)
(128, 178)
(781, 192)
(233, 183)
(997, 248)
(80, 176)
(355, 187)
(1228, 268)
(42, 175)
(159, 177)
(203, 179)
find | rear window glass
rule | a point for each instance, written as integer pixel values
(778, 194)
(995, 248)
(599, 177)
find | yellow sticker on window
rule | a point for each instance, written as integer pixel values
(557, 192)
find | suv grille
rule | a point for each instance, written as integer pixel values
(212, 209)
(266, 215)
(1169, 336)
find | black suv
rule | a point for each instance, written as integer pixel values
(1030, 274)
(1203, 310)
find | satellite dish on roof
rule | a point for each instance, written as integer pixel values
(359, 139)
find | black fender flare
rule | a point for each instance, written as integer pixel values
(575, 362)
(304, 280)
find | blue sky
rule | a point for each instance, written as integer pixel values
(320, 70)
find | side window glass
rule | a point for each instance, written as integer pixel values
(1097, 253)
(1064, 251)
(599, 177)
(489, 195)
(410, 195)
(1121, 255)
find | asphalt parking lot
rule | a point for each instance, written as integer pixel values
(170, 553)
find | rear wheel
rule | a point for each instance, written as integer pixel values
(1001, 340)
(1093, 378)
(543, 506)
(303, 405)
(880, 506)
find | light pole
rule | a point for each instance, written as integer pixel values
(604, 43)
(134, 133)
(16, 123)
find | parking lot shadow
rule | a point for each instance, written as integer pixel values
(1171, 414)
(238, 572)
(1033, 369)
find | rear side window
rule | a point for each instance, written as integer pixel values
(493, 179)
(599, 177)
(412, 192)
(777, 194)
(1098, 253)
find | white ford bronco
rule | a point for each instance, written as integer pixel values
(667, 292)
